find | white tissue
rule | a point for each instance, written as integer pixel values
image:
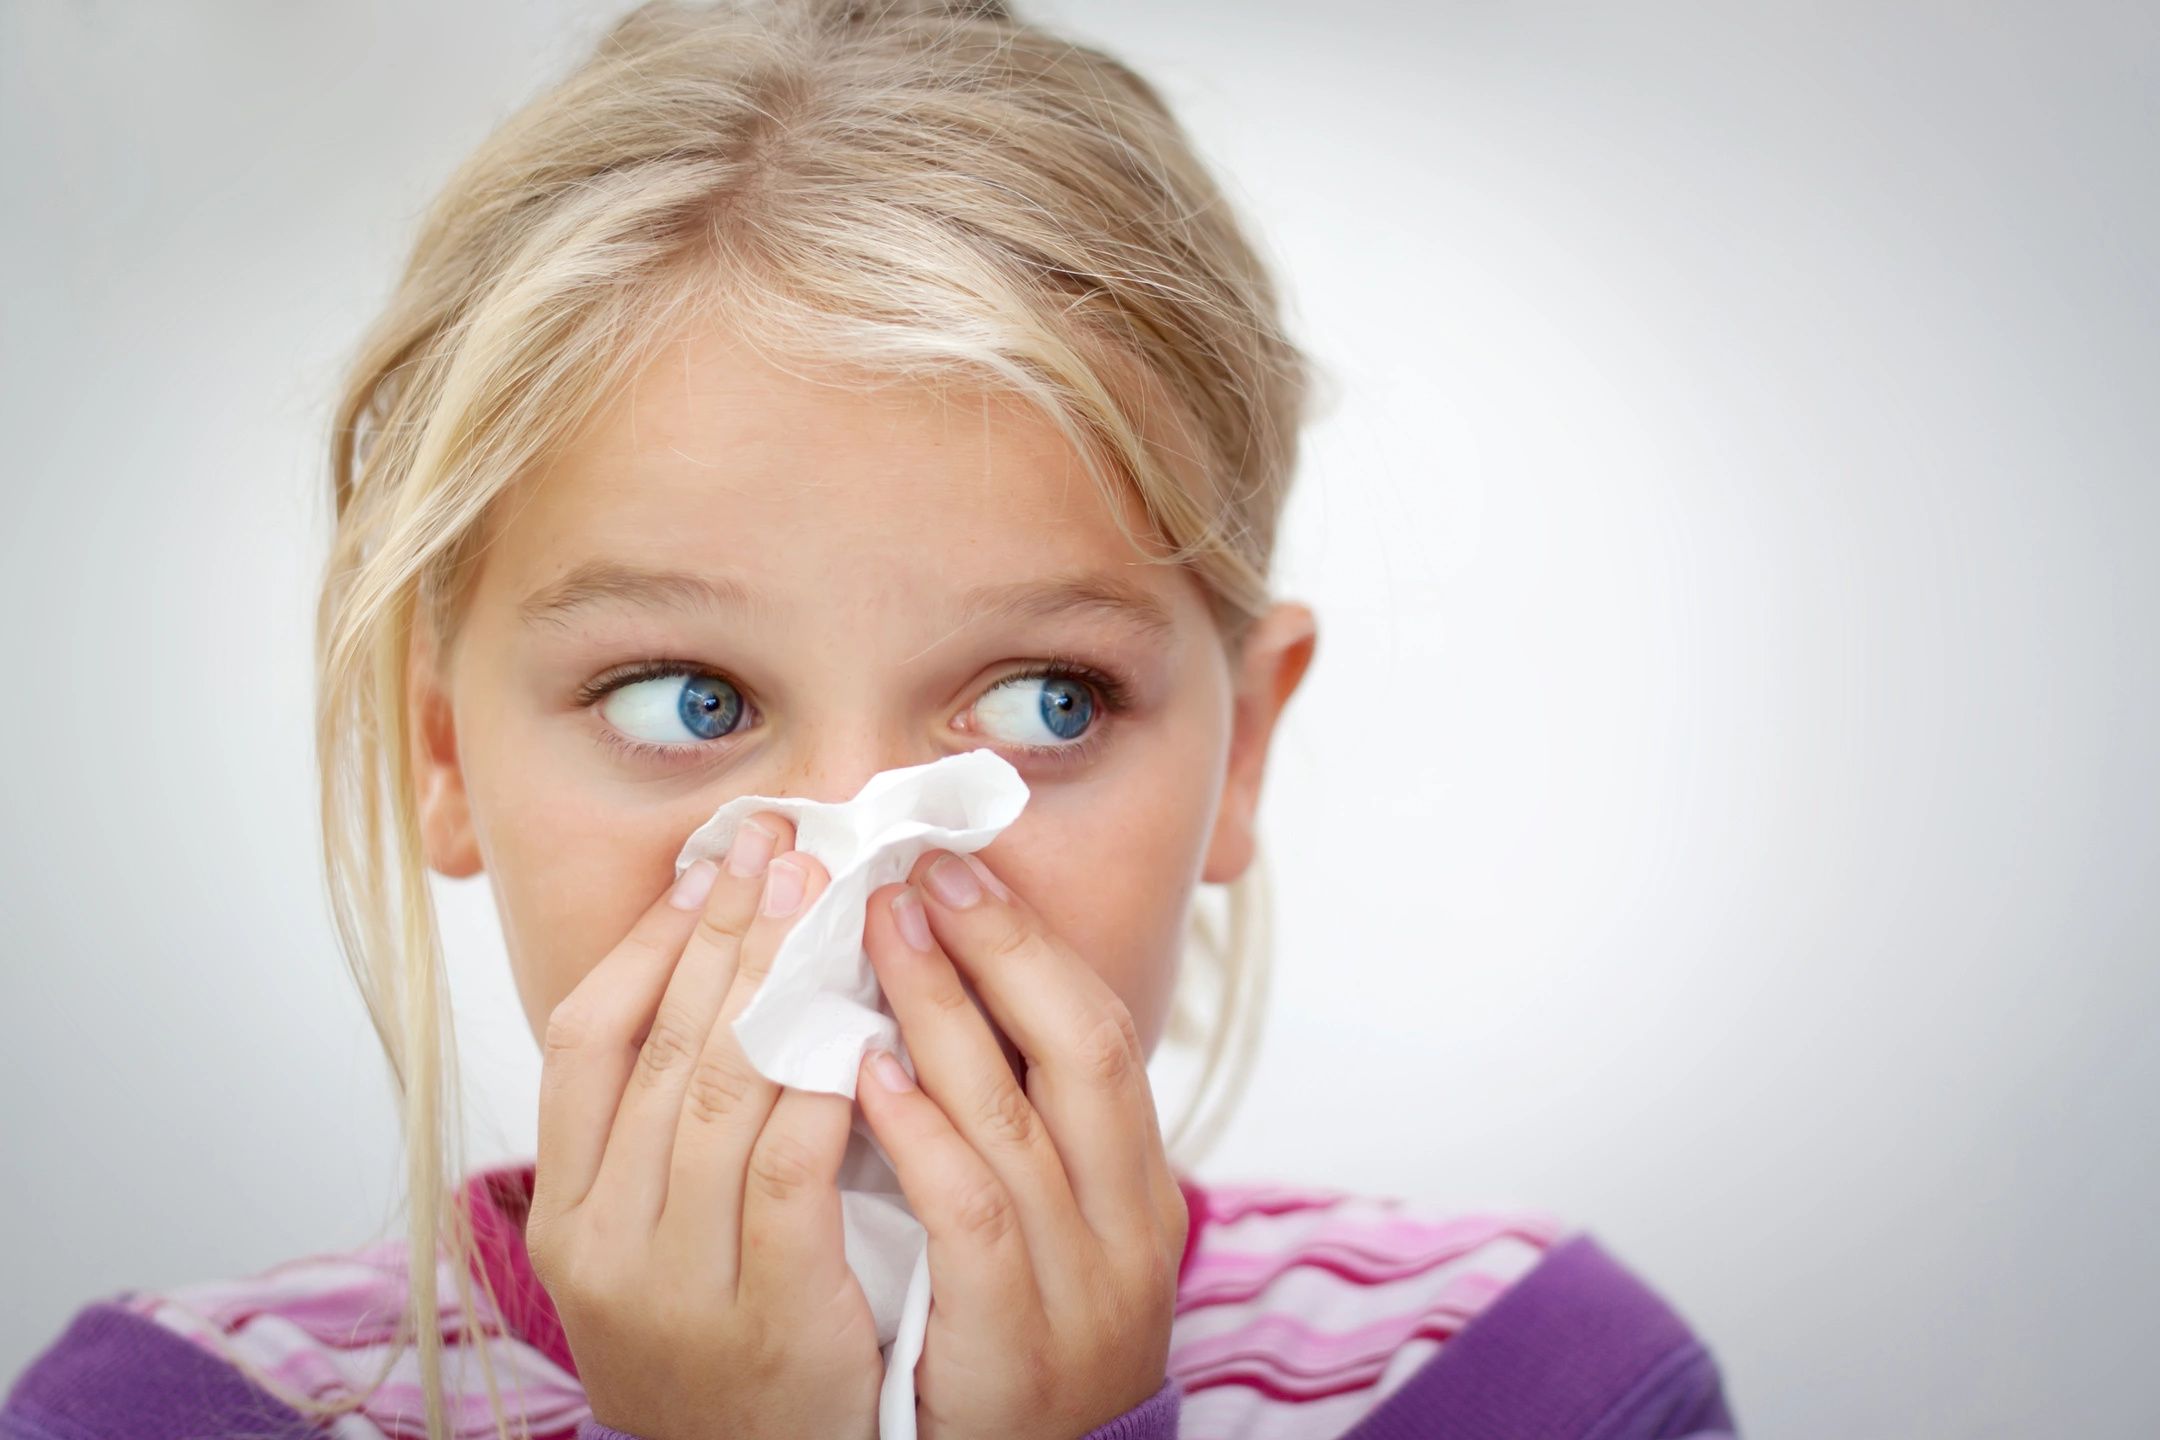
(819, 1009)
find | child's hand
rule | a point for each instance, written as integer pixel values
(686, 1210)
(1055, 1223)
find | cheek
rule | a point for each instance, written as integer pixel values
(572, 864)
(1112, 876)
(570, 879)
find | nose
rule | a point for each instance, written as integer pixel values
(834, 770)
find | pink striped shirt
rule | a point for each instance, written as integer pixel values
(1299, 1312)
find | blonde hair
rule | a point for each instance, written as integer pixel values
(917, 191)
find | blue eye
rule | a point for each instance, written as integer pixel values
(1037, 706)
(680, 708)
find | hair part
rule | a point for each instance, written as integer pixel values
(878, 192)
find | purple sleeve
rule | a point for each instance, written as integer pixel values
(117, 1375)
(1155, 1418)
(1578, 1349)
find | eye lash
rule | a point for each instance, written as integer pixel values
(1116, 694)
(644, 749)
(593, 691)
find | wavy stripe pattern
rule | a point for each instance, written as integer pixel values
(1299, 1309)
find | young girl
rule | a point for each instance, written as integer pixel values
(800, 391)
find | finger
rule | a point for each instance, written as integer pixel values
(963, 1068)
(1087, 1068)
(980, 1264)
(634, 1174)
(794, 880)
(592, 1038)
(730, 1101)
(792, 1241)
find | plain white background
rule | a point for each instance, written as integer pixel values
(1722, 810)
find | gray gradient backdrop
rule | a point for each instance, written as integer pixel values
(1734, 541)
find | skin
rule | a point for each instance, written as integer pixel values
(849, 526)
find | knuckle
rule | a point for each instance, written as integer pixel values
(1008, 1116)
(757, 1356)
(1154, 1282)
(1010, 941)
(541, 1249)
(782, 1167)
(985, 1213)
(667, 1048)
(951, 1001)
(570, 1026)
(718, 931)
(647, 946)
(1177, 1225)
(568, 1266)
(719, 1087)
(1038, 1377)
(1110, 1050)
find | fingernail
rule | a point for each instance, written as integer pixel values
(693, 885)
(913, 922)
(783, 888)
(997, 886)
(889, 1073)
(752, 848)
(954, 882)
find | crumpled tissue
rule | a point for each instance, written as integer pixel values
(820, 1009)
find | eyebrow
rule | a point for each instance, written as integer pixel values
(605, 582)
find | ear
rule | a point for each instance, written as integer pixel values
(1277, 648)
(446, 829)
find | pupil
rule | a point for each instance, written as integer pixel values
(709, 707)
(1066, 708)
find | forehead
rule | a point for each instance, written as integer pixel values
(814, 492)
